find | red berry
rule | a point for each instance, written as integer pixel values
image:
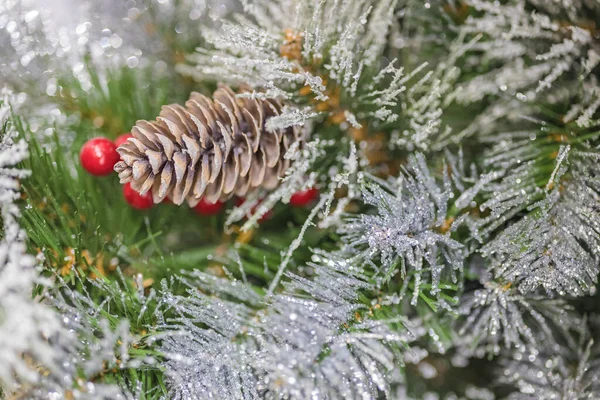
(206, 208)
(98, 156)
(122, 139)
(136, 200)
(304, 197)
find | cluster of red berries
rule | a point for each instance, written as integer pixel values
(99, 155)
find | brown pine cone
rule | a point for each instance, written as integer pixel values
(210, 148)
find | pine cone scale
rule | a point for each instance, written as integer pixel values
(213, 190)
(257, 172)
(140, 170)
(231, 176)
(254, 127)
(147, 139)
(165, 181)
(175, 129)
(181, 167)
(244, 153)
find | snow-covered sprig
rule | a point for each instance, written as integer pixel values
(583, 112)
(25, 324)
(561, 373)
(92, 342)
(497, 316)
(309, 342)
(422, 102)
(538, 45)
(552, 246)
(409, 234)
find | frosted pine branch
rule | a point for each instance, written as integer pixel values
(228, 349)
(497, 316)
(348, 37)
(405, 235)
(45, 350)
(551, 246)
(538, 49)
(25, 324)
(567, 372)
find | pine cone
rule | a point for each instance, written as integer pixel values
(211, 148)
